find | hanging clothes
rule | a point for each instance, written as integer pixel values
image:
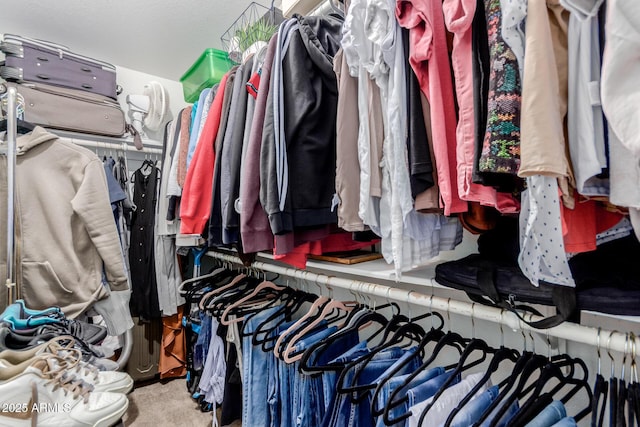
(168, 277)
(215, 208)
(589, 159)
(232, 153)
(458, 16)
(181, 160)
(430, 61)
(297, 170)
(255, 231)
(144, 299)
(501, 147)
(619, 98)
(347, 164)
(196, 198)
(70, 237)
(543, 149)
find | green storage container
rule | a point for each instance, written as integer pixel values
(205, 72)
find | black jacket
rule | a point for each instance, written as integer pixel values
(298, 165)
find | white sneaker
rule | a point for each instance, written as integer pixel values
(41, 393)
(111, 381)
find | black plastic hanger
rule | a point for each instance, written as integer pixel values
(22, 127)
(521, 363)
(411, 330)
(474, 346)
(553, 371)
(549, 368)
(502, 354)
(433, 335)
(450, 339)
(317, 350)
(292, 300)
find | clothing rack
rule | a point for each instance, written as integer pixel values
(115, 147)
(12, 123)
(611, 340)
(110, 143)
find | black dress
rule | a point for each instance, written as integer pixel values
(144, 298)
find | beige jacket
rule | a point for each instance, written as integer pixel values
(65, 228)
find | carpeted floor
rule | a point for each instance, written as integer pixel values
(161, 403)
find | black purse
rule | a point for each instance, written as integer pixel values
(607, 279)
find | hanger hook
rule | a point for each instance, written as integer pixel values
(328, 286)
(388, 293)
(598, 349)
(473, 321)
(352, 292)
(533, 340)
(449, 312)
(634, 368)
(524, 336)
(375, 302)
(612, 359)
(409, 305)
(431, 311)
(502, 327)
(624, 355)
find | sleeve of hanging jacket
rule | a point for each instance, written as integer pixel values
(254, 223)
(273, 154)
(196, 194)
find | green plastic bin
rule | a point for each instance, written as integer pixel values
(205, 72)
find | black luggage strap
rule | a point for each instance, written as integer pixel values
(563, 297)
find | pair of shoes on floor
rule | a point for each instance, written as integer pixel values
(43, 392)
(26, 321)
(52, 386)
(10, 340)
(64, 348)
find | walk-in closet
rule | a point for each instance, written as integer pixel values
(320, 213)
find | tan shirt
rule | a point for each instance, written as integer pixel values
(347, 163)
(544, 149)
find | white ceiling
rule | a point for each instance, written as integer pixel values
(159, 37)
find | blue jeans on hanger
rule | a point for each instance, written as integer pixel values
(566, 422)
(473, 410)
(256, 367)
(395, 382)
(511, 412)
(308, 396)
(360, 412)
(282, 402)
(550, 415)
(329, 378)
(428, 389)
(343, 412)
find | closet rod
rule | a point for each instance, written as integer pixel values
(566, 331)
(12, 121)
(113, 146)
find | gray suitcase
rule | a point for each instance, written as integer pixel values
(72, 110)
(32, 60)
